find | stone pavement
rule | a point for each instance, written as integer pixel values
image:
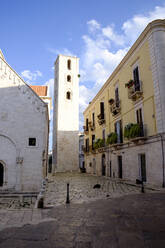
(132, 221)
(116, 215)
(81, 188)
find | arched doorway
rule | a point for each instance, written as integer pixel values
(103, 165)
(1, 174)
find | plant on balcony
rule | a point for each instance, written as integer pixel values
(127, 130)
(98, 143)
(129, 84)
(112, 138)
(111, 101)
(132, 131)
(135, 131)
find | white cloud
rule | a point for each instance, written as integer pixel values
(31, 76)
(134, 26)
(63, 51)
(93, 25)
(111, 34)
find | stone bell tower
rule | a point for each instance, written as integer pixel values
(66, 114)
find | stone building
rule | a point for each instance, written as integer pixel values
(125, 122)
(66, 114)
(24, 125)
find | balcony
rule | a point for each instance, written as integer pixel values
(135, 132)
(115, 106)
(135, 90)
(101, 119)
(86, 129)
(92, 149)
(92, 126)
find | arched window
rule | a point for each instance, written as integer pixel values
(68, 78)
(68, 95)
(69, 64)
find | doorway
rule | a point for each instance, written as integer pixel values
(110, 169)
(1, 174)
(103, 165)
(94, 166)
(120, 169)
(143, 173)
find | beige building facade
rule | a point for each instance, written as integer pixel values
(125, 122)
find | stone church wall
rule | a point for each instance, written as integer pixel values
(23, 115)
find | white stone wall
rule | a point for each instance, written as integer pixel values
(66, 115)
(152, 149)
(22, 115)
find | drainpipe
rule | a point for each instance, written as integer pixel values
(162, 145)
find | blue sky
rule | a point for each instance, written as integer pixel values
(33, 32)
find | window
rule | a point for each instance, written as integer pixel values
(119, 131)
(139, 119)
(32, 141)
(68, 95)
(68, 78)
(103, 135)
(69, 64)
(87, 145)
(117, 96)
(136, 79)
(102, 110)
(139, 116)
(93, 140)
(86, 124)
(93, 119)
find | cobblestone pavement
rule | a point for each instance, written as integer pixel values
(15, 203)
(81, 188)
(132, 221)
(116, 215)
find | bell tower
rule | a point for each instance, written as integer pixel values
(66, 114)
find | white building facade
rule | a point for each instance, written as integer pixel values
(66, 115)
(24, 129)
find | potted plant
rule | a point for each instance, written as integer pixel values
(111, 101)
(112, 138)
(132, 131)
(98, 143)
(130, 83)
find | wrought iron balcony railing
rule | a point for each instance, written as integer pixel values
(115, 107)
(135, 91)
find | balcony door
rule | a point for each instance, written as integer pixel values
(136, 79)
(139, 118)
(118, 130)
(117, 96)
